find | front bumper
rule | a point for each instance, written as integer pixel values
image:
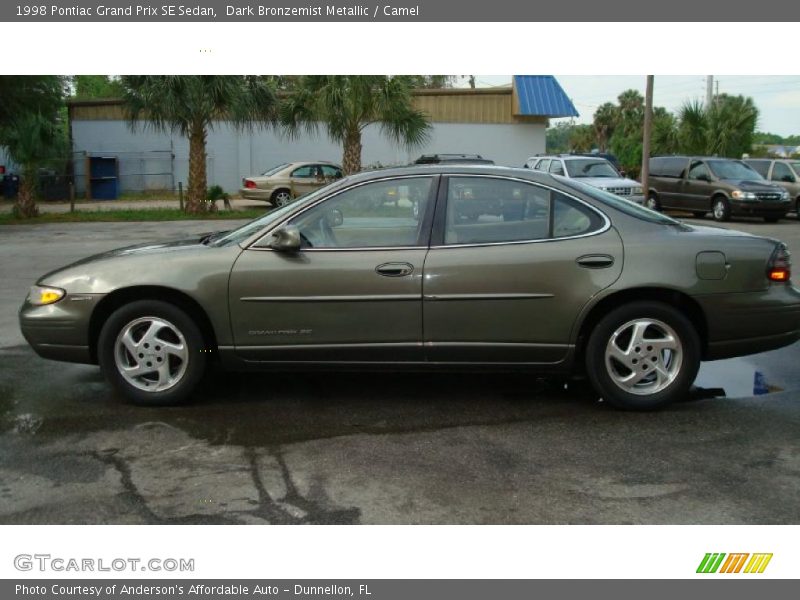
(751, 322)
(760, 208)
(60, 331)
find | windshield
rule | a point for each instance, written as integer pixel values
(248, 229)
(622, 205)
(732, 169)
(274, 170)
(591, 167)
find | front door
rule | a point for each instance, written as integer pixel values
(353, 292)
(507, 287)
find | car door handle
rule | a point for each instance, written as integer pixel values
(595, 261)
(394, 269)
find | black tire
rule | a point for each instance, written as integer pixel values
(600, 374)
(797, 209)
(771, 219)
(195, 351)
(653, 202)
(721, 209)
(699, 214)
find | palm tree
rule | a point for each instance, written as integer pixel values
(725, 128)
(346, 104)
(606, 118)
(30, 139)
(191, 105)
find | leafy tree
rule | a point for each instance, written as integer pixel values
(191, 105)
(97, 86)
(31, 141)
(346, 104)
(582, 138)
(433, 81)
(558, 137)
(39, 94)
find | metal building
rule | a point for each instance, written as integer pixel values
(505, 124)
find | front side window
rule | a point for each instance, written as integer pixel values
(782, 172)
(542, 165)
(556, 168)
(331, 172)
(482, 210)
(699, 171)
(381, 214)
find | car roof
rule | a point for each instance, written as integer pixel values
(450, 169)
(569, 157)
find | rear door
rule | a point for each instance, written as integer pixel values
(508, 287)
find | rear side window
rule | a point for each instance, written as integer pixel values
(668, 166)
(542, 165)
(485, 210)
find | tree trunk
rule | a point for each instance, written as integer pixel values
(196, 194)
(351, 160)
(25, 205)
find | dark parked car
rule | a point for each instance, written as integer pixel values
(722, 186)
(336, 281)
(453, 159)
(783, 172)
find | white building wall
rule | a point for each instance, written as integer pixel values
(233, 155)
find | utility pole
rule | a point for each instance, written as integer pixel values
(709, 90)
(648, 127)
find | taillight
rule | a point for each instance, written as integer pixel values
(779, 267)
(249, 184)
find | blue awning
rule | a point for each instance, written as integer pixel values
(542, 96)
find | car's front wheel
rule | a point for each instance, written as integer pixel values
(721, 209)
(643, 355)
(152, 353)
(652, 202)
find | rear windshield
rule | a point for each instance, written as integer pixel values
(620, 204)
(274, 170)
(732, 169)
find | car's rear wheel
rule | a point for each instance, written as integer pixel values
(652, 202)
(152, 353)
(281, 197)
(643, 355)
(721, 209)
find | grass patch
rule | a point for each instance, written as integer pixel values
(131, 214)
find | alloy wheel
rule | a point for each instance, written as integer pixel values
(151, 354)
(644, 356)
(283, 198)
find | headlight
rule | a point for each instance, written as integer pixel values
(637, 191)
(785, 196)
(739, 195)
(40, 296)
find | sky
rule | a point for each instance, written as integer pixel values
(776, 96)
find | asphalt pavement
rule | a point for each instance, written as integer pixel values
(379, 448)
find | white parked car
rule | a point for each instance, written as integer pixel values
(597, 172)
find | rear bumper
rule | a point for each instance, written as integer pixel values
(256, 194)
(751, 322)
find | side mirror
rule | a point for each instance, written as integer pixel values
(787, 179)
(703, 177)
(286, 239)
(334, 218)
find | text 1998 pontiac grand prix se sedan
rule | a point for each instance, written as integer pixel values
(428, 267)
